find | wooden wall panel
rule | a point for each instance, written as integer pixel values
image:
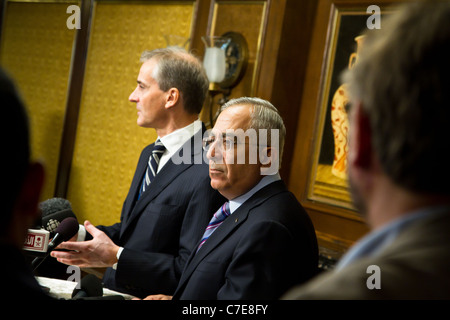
(227, 16)
(284, 58)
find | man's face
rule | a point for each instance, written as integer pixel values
(229, 176)
(150, 99)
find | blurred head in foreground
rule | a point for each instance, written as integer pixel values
(22, 180)
(400, 105)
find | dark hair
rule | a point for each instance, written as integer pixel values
(402, 80)
(15, 146)
(182, 70)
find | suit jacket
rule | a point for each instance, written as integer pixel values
(267, 245)
(415, 266)
(159, 230)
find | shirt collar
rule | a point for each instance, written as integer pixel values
(266, 180)
(176, 139)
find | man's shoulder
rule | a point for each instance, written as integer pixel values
(414, 266)
(277, 195)
(275, 203)
(347, 284)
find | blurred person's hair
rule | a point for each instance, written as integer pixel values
(15, 146)
(402, 79)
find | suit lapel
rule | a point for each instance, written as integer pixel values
(137, 182)
(160, 182)
(226, 228)
(230, 225)
(164, 177)
(221, 233)
(238, 217)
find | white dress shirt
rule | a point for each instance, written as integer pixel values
(172, 141)
(175, 140)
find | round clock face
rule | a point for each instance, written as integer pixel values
(236, 53)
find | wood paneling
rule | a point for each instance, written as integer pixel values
(283, 63)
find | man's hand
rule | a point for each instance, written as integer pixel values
(98, 252)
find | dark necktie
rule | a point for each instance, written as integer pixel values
(152, 167)
(216, 221)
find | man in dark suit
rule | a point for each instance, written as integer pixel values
(261, 241)
(22, 182)
(399, 130)
(170, 200)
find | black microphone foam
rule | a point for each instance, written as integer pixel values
(54, 205)
(90, 286)
(65, 230)
(54, 211)
(52, 221)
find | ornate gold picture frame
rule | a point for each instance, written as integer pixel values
(328, 175)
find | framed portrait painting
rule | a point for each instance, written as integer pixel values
(328, 171)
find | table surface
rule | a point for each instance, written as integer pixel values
(63, 289)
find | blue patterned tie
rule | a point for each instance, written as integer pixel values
(216, 221)
(152, 167)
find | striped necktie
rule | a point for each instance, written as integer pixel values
(152, 167)
(216, 221)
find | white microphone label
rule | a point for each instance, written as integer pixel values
(37, 240)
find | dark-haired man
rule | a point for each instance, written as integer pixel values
(170, 200)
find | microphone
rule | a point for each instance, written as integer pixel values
(54, 211)
(36, 242)
(53, 205)
(65, 230)
(90, 286)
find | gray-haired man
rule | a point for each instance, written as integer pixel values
(261, 241)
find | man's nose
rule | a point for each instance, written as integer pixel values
(214, 151)
(133, 96)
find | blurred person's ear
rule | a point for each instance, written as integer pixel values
(360, 152)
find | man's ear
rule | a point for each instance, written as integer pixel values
(269, 159)
(29, 196)
(360, 151)
(172, 98)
